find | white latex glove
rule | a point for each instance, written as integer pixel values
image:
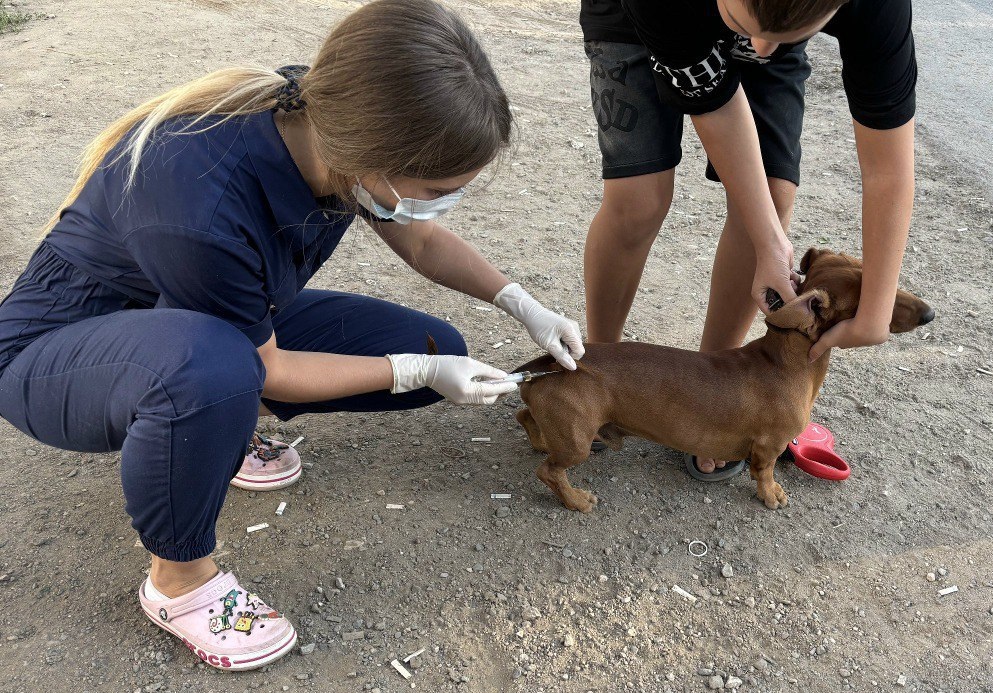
(556, 334)
(452, 377)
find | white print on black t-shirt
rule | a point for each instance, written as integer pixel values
(696, 80)
(744, 52)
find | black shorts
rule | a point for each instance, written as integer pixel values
(639, 134)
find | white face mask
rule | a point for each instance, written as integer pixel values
(407, 209)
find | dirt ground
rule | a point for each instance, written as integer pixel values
(837, 592)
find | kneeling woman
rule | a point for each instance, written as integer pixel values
(166, 308)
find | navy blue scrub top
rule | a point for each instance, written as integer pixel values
(220, 222)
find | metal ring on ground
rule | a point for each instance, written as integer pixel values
(694, 553)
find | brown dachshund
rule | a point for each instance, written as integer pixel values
(727, 405)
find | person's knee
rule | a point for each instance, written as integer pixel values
(636, 207)
(211, 362)
(783, 194)
(783, 197)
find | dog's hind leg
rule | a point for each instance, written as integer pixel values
(525, 419)
(552, 474)
(761, 465)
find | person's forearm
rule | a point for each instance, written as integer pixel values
(729, 137)
(887, 162)
(447, 259)
(301, 376)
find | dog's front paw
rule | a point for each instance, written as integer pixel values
(773, 495)
(578, 499)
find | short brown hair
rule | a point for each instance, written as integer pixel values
(790, 15)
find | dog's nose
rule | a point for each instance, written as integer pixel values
(928, 316)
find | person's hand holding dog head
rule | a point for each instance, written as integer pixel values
(774, 270)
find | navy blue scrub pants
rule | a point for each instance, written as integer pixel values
(176, 391)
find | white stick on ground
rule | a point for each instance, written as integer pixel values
(401, 669)
(415, 654)
(256, 528)
(680, 591)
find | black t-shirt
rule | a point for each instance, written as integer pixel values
(604, 20)
(695, 55)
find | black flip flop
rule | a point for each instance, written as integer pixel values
(729, 470)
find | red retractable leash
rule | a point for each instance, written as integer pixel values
(813, 452)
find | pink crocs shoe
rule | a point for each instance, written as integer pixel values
(223, 624)
(268, 465)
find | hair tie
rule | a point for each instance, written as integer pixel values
(288, 96)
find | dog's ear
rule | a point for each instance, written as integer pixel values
(802, 313)
(808, 259)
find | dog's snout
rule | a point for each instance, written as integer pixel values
(928, 316)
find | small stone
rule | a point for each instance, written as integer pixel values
(339, 583)
(568, 640)
(761, 664)
(727, 571)
(750, 602)
(353, 635)
(567, 553)
(307, 649)
(30, 452)
(704, 671)
(942, 572)
(931, 577)
(503, 511)
(707, 500)
(303, 677)
(715, 683)
(844, 673)
(733, 682)
(901, 681)
(531, 614)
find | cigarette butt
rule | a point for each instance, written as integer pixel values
(680, 591)
(394, 506)
(481, 440)
(948, 590)
(415, 654)
(984, 371)
(483, 308)
(256, 528)
(903, 368)
(281, 508)
(500, 496)
(401, 669)
(498, 345)
(296, 442)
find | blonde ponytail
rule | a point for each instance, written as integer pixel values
(229, 92)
